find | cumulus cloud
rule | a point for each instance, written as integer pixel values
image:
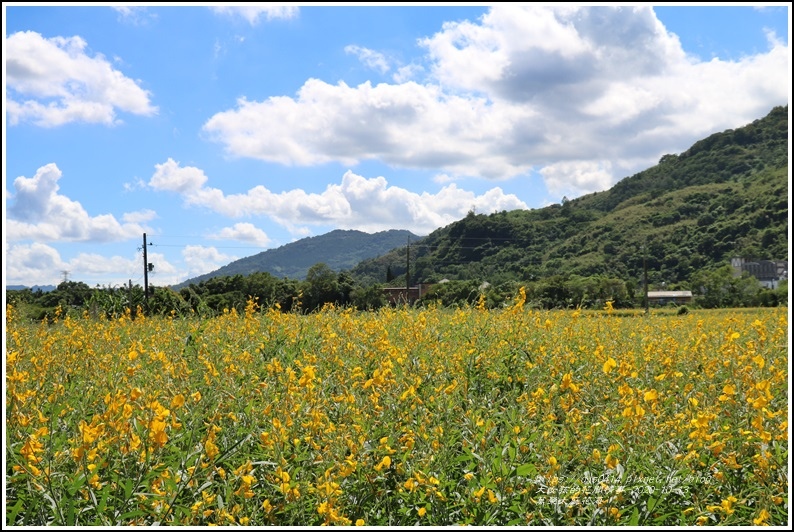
(355, 203)
(573, 178)
(407, 125)
(139, 217)
(52, 82)
(38, 212)
(136, 15)
(32, 264)
(252, 13)
(372, 59)
(602, 91)
(202, 259)
(171, 176)
(244, 232)
(37, 263)
(407, 73)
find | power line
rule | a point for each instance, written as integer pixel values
(217, 247)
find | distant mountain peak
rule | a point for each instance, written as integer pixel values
(340, 249)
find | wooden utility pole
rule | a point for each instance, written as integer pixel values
(408, 269)
(645, 278)
(145, 273)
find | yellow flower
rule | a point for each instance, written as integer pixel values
(609, 365)
(727, 505)
(178, 401)
(422, 512)
(359, 522)
(384, 464)
(196, 396)
(211, 449)
(567, 382)
(94, 482)
(763, 515)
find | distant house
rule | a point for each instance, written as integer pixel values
(663, 297)
(768, 272)
(402, 295)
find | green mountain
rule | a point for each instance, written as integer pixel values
(726, 196)
(339, 249)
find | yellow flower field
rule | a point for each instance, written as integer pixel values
(399, 417)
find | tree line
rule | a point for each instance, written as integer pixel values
(711, 289)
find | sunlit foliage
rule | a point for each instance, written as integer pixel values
(399, 417)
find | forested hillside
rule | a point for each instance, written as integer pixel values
(339, 250)
(683, 219)
(726, 196)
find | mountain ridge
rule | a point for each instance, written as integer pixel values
(340, 249)
(724, 196)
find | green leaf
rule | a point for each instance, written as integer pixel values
(129, 516)
(526, 470)
(11, 516)
(127, 484)
(635, 517)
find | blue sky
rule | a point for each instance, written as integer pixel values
(223, 132)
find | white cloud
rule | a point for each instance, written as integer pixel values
(52, 82)
(137, 184)
(36, 263)
(407, 73)
(519, 90)
(136, 15)
(252, 13)
(443, 178)
(33, 264)
(372, 59)
(201, 259)
(171, 176)
(139, 217)
(40, 213)
(574, 178)
(356, 203)
(244, 232)
(407, 125)
(163, 273)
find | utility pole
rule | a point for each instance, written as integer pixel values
(145, 273)
(645, 278)
(408, 269)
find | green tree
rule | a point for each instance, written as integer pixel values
(321, 285)
(368, 298)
